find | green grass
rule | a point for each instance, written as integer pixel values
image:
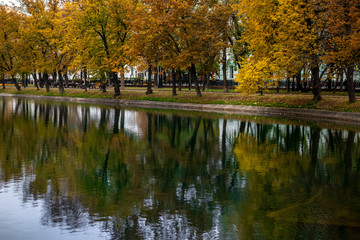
(333, 102)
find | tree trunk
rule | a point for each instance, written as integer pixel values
(336, 83)
(149, 90)
(23, 80)
(3, 80)
(103, 82)
(41, 80)
(224, 71)
(288, 84)
(341, 80)
(35, 81)
(156, 77)
(122, 76)
(204, 83)
(350, 83)
(190, 80)
(27, 80)
(85, 78)
(66, 77)
(103, 87)
(116, 84)
(162, 77)
(298, 82)
(108, 76)
(174, 83)
(316, 84)
(179, 77)
(16, 84)
(193, 76)
(208, 80)
(61, 83)
(46, 80)
(329, 82)
(53, 83)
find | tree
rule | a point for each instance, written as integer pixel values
(283, 37)
(343, 49)
(178, 35)
(43, 36)
(11, 21)
(147, 38)
(102, 31)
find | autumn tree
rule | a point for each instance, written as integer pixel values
(260, 23)
(10, 24)
(343, 49)
(284, 36)
(148, 39)
(102, 31)
(178, 35)
(41, 17)
(28, 52)
(200, 35)
(239, 47)
(223, 20)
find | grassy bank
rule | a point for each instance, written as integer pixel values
(332, 102)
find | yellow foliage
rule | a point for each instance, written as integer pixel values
(280, 41)
(254, 76)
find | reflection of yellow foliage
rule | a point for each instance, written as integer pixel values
(253, 156)
(266, 158)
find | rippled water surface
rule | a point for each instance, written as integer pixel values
(87, 172)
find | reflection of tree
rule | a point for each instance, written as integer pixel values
(183, 177)
(77, 164)
(63, 211)
(300, 188)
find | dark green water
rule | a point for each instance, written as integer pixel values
(90, 172)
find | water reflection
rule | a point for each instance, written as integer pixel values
(144, 175)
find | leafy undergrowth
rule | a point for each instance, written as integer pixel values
(332, 102)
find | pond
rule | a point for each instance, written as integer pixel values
(72, 171)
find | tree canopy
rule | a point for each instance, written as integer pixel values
(269, 41)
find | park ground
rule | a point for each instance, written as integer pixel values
(331, 101)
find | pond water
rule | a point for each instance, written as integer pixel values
(89, 172)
